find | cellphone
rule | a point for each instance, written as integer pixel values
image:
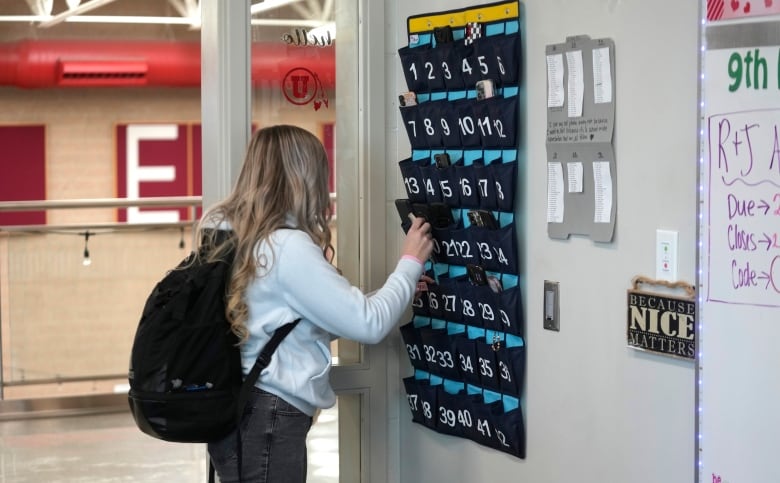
(440, 215)
(472, 31)
(443, 35)
(421, 210)
(476, 274)
(407, 99)
(404, 208)
(485, 89)
(483, 218)
(442, 160)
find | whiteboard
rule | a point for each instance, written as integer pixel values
(738, 370)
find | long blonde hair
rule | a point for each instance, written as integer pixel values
(285, 173)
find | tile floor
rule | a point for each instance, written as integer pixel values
(108, 448)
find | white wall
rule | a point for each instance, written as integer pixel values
(596, 411)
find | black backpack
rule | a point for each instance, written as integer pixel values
(185, 366)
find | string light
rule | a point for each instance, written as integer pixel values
(702, 194)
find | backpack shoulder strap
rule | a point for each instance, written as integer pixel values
(243, 396)
(262, 362)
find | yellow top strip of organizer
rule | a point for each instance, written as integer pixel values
(459, 18)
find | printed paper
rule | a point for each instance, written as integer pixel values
(602, 76)
(576, 84)
(555, 188)
(574, 172)
(602, 179)
(555, 94)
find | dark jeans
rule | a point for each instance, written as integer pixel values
(274, 443)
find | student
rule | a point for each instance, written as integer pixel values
(279, 211)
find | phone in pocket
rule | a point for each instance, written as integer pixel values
(471, 32)
(477, 275)
(407, 99)
(442, 160)
(443, 35)
(440, 215)
(485, 89)
(483, 218)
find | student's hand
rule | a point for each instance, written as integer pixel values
(422, 286)
(418, 242)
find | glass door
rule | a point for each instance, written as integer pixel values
(307, 58)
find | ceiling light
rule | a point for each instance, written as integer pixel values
(269, 5)
(143, 19)
(84, 7)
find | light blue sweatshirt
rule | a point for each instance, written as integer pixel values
(300, 283)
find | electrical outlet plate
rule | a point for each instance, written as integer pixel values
(551, 306)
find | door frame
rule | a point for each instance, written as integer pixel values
(362, 193)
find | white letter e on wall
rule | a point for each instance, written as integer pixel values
(136, 174)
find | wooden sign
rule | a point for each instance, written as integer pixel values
(663, 324)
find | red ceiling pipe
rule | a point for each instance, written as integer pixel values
(42, 64)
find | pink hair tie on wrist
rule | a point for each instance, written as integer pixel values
(412, 257)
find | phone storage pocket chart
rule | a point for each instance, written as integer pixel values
(461, 112)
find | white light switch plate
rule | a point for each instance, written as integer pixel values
(666, 255)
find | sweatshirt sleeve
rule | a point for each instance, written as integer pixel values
(314, 288)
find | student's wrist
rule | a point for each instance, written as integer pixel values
(413, 258)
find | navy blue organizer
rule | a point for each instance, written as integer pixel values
(465, 341)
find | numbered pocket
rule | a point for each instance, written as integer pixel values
(410, 116)
(502, 118)
(413, 63)
(448, 299)
(510, 310)
(497, 248)
(458, 414)
(414, 346)
(504, 180)
(449, 407)
(467, 185)
(450, 133)
(470, 296)
(487, 365)
(469, 62)
(422, 398)
(466, 123)
(433, 299)
(484, 416)
(429, 125)
(509, 432)
(484, 60)
(445, 66)
(420, 305)
(448, 184)
(507, 52)
(446, 58)
(456, 248)
(431, 178)
(486, 189)
(511, 369)
(468, 362)
(413, 180)
(489, 310)
(439, 353)
(495, 120)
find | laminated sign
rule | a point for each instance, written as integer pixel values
(662, 324)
